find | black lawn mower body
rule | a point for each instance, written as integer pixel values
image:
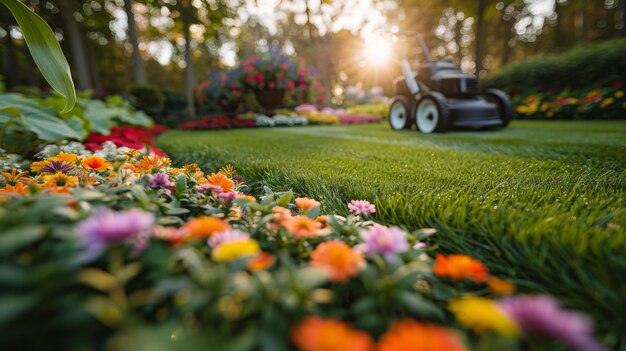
(445, 98)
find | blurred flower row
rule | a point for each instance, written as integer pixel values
(121, 247)
(284, 118)
(598, 101)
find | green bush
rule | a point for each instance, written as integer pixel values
(165, 106)
(579, 66)
(147, 98)
(2, 87)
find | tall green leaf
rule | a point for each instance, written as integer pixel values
(45, 50)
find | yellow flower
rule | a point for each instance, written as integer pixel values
(550, 114)
(65, 157)
(544, 107)
(232, 250)
(228, 170)
(572, 101)
(606, 102)
(37, 166)
(59, 179)
(619, 94)
(14, 177)
(481, 314)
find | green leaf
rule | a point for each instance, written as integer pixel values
(43, 121)
(181, 185)
(15, 239)
(45, 50)
(313, 213)
(418, 305)
(285, 199)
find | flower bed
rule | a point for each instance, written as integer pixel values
(131, 137)
(121, 247)
(600, 101)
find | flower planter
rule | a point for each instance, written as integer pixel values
(269, 99)
(229, 107)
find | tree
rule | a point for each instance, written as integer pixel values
(138, 70)
(75, 37)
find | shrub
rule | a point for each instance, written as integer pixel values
(147, 98)
(589, 63)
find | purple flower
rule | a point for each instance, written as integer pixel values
(361, 207)
(383, 240)
(219, 238)
(541, 316)
(57, 166)
(160, 180)
(108, 227)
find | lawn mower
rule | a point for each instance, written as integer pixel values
(440, 97)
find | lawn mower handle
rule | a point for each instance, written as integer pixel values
(420, 39)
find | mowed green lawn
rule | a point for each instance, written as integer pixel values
(542, 203)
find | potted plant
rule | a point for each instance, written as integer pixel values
(222, 91)
(275, 77)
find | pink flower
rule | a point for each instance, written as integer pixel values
(291, 84)
(236, 93)
(385, 241)
(363, 207)
(227, 196)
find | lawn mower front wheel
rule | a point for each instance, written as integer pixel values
(400, 113)
(432, 114)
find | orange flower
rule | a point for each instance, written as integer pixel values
(339, 259)
(410, 335)
(303, 227)
(261, 261)
(220, 180)
(459, 267)
(203, 227)
(17, 189)
(151, 164)
(65, 157)
(59, 179)
(316, 334)
(59, 190)
(280, 216)
(95, 163)
(190, 169)
(305, 204)
(500, 287)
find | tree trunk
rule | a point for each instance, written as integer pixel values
(138, 69)
(31, 68)
(190, 78)
(480, 25)
(74, 34)
(93, 65)
(622, 9)
(558, 31)
(12, 72)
